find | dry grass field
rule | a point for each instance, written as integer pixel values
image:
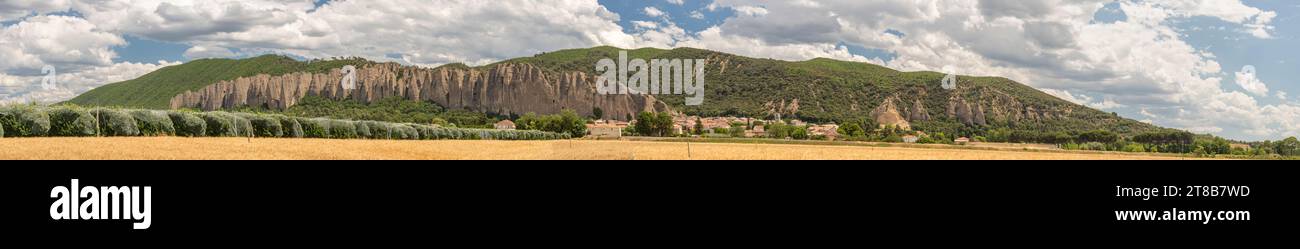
(242, 148)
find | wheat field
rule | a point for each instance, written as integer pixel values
(296, 149)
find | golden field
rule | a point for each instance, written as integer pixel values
(294, 149)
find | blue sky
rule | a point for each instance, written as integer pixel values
(1102, 57)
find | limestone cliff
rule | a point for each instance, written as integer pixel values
(502, 89)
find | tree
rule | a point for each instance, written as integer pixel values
(851, 130)
(699, 126)
(664, 124)
(737, 129)
(652, 124)
(869, 125)
(567, 121)
(645, 124)
(800, 132)
(1287, 147)
(1099, 136)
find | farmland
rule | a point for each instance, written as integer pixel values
(330, 149)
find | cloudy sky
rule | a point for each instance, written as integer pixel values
(1175, 63)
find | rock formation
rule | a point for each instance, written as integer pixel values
(887, 115)
(506, 88)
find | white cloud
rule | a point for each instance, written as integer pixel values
(69, 43)
(677, 2)
(654, 12)
(16, 9)
(201, 51)
(26, 89)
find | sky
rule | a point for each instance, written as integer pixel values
(1176, 63)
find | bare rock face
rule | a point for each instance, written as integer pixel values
(918, 112)
(959, 110)
(887, 114)
(503, 89)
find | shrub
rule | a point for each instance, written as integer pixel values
(363, 129)
(2, 130)
(153, 123)
(188, 124)
(378, 130)
(290, 126)
(314, 128)
(243, 126)
(264, 126)
(405, 132)
(217, 125)
(72, 122)
(25, 121)
(222, 124)
(115, 123)
(342, 129)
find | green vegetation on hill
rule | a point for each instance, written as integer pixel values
(156, 89)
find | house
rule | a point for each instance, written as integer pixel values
(830, 131)
(910, 139)
(961, 140)
(758, 131)
(505, 125)
(605, 131)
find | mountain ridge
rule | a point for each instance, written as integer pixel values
(818, 90)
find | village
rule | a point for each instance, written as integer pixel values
(721, 127)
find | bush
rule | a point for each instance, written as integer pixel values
(363, 130)
(314, 128)
(72, 122)
(187, 124)
(290, 126)
(2, 130)
(116, 123)
(25, 121)
(405, 132)
(378, 130)
(222, 124)
(342, 129)
(264, 126)
(153, 123)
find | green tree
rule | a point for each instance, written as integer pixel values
(851, 130)
(699, 126)
(1287, 147)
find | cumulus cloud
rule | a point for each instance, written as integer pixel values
(654, 12)
(16, 9)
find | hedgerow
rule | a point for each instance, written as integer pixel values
(68, 121)
(113, 122)
(153, 122)
(25, 121)
(188, 124)
(36, 121)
